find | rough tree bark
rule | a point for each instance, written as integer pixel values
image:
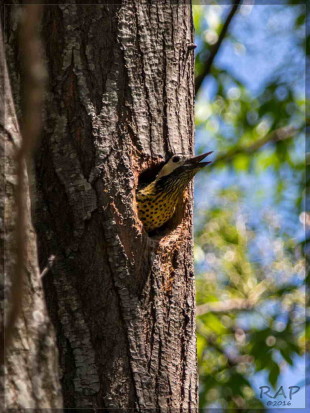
(120, 101)
(31, 366)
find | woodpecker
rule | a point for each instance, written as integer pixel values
(158, 200)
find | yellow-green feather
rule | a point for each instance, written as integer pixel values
(158, 200)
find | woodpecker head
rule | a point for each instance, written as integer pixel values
(183, 165)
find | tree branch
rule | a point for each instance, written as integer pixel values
(215, 48)
(235, 304)
(277, 135)
(33, 87)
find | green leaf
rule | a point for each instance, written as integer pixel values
(274, 372)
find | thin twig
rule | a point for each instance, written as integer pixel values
(277, 135)
(212, 342)
(49, 265)
(33, 82)
(215, 48)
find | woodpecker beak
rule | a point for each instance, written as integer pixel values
(195, 161)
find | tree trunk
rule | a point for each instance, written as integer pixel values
(120, 102)
(31, 367)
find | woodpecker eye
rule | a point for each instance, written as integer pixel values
(175, 159)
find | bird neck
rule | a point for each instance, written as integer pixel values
(173, 183)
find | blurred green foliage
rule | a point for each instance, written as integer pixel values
(249, 262)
